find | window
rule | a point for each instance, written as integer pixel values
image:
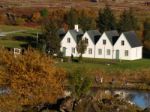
(73, 50)
(86, 40)
(122, 43)
(68, 40)
(108, 51)
(104, 42)
(90, 51)
(126, 53)
(100, 51)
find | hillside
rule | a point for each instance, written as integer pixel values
(72, 3)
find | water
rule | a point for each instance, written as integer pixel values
(139, 98)
(4, 91)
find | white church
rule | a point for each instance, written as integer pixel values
(108, 45)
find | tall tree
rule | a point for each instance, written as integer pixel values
(106, 20)
(71, 18)
(146, 30)
(127, 21)
(81, 47)
(86, 22)
(50, 32)
(44, 12)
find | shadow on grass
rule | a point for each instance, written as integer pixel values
(28, 39)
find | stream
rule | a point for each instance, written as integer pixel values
(139, 98)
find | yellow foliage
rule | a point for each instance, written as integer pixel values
(32, 77)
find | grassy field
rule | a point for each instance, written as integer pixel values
(108, 65)
(19, 38)
(11, 44)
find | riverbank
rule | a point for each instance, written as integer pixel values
(130, 86)
(113, 74)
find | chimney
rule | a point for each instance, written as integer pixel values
(76, 27)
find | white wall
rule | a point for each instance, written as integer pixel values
(133, 53)
(69, 46)
(104, 48)
(136, 53)
(89, 46)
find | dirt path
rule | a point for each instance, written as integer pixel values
(3, 34)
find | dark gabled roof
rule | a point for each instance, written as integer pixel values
(132, 39)
(76, 34)
(94, 35)
(112, 36)
(61, 32)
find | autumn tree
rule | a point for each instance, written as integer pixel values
(127, 21)
(81, 47)
(50, 34)
(106, 20)
(36, 17)
(32, 79)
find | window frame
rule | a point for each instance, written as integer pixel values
(108, 52)
(100, 52)
(90, 51)
(73, 50)
(104, 41)
(68, 40)
(122, 42)
(126, 53)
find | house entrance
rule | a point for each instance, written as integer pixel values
(117, 54)
(64, 51)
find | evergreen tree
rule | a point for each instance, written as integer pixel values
(71, 18)
(146, 30)
(44, 12)
(50, 32)
(106, 20)
(86, 22)
(127, 21)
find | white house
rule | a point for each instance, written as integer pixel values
(70, 40)
(109, 45)
(128, 47)
(105, 45)
(91, 36)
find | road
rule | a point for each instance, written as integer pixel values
(3, 34)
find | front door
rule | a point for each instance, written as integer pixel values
(64, 51)
(117, 54)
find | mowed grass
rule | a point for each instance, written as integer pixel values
(107, 65)
(7, 28)
(17, 39)
(11, 44)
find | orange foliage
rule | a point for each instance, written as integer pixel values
(32, 78)
(36, 17)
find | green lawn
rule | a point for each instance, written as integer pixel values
(7, 28)
(19, 38)
(108, 65)
(11, 43)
